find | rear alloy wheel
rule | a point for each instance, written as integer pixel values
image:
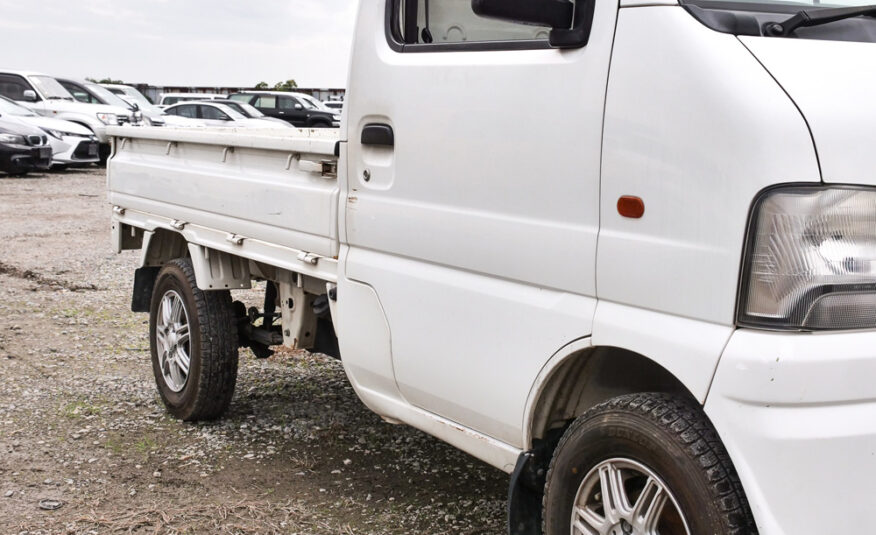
(173, 341)
(644, 464)
(621, 496)
(193, 341)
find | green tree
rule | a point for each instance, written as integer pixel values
(261, 85)
(288, 85)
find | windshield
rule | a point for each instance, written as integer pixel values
(106, 96)
(316, 104)
(306, 104)
(137, 96)
(9, 107)
(234, 114)
(50, 88)
(249, 109)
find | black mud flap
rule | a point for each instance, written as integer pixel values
(524, 502)
(144, 281)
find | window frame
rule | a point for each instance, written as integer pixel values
(396, 42)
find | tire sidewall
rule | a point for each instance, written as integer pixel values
(617, 434)
(181, 403)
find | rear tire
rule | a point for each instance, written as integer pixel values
(657, 449)
(193, 341)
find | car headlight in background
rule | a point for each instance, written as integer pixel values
(108, 118)
(336, 117)
(61, 134)
(12, 138)
(810, 262)
(57, 134)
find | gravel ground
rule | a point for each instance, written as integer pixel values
(85, 443)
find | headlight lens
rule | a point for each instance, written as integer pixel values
(54, 133)
(108, 118)
(12, 138)
(811, 259)
(336, 117)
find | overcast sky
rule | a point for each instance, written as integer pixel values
(181, 42)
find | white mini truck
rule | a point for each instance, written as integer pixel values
(624, 252)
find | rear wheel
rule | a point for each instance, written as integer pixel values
(644, 464)
(193, 341)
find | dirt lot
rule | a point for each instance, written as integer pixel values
(83, 429)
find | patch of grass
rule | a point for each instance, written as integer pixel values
(145, 445)
(80, 409)
(114, 446)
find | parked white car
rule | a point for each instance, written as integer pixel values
(336, 105)
(44, 95)
(72, 144)
(217, 114)
(168, 99)
(152, 113)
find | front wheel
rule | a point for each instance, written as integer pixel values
(193, 341)
(644, 464)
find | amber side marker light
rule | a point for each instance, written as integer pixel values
(629, 206)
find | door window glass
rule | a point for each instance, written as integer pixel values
(12, 86)
(214, 114)
(288, 103)
(266, 101)
(453, 21)
(79, 93)
(187, 110)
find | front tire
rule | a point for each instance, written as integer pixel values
(643, 464)
(193, 341)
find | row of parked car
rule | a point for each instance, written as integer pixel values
(48, 121)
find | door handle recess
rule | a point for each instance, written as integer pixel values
(378, 134)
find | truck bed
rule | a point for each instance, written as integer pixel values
(271, 187)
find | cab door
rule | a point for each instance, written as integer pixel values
(473, 200)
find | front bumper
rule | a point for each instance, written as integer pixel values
(797, 413)
(22, 158)
(73, 150)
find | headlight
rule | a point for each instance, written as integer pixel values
(810, 262)
(12, 138)
(108, 118)
(336, 117)
(54, 133)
